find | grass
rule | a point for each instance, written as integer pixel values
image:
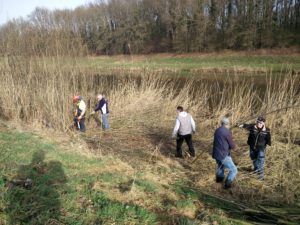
(61, 189)
(71, 188)
(195, 64)
(147, 186)
(121, 213)
(132, 165)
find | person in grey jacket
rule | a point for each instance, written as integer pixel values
(184, 127)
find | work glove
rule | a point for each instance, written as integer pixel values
(174, 136)
(194, 132)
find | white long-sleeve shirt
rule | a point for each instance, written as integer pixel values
(184, 125)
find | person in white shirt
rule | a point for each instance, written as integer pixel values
(79, 115)
(184, 127)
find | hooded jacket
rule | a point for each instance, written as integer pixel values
(258, 137)
(185, 124)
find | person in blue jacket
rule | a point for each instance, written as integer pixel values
(102, 106)
(222, 145)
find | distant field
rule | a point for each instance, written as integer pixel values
(180, 64)
(187, 64)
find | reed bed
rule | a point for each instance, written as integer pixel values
(39, 90)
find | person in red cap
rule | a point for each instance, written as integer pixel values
(259, 137)
(79, 119)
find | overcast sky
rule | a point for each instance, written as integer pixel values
(10, 9)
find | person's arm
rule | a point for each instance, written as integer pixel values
(82, 113)
(101, 104)
(76, 112)
(246, 126)
(268, 141)
(230, 141)
(176, 128)
(98, 107)
(193, 125)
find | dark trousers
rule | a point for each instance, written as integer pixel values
(188, 139)
(79, 125)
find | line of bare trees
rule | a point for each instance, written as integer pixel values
(145, 26)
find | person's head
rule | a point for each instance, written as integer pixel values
(225, 122)
(76, 99)
(99, 97)
(179, 109)
(260, 122)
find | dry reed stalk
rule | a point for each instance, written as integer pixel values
(143, 107)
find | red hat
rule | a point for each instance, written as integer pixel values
(76, 98)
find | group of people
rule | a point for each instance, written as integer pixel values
(259, 137)
(80, 112)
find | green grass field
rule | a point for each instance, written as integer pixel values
(170, 64)
(67, 187)
(62, 186)
(193, 64)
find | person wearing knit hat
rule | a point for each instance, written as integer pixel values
(222, 145)
(259, 137)
(225, 121)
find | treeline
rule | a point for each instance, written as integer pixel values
(146, 26)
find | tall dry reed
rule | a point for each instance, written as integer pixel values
(41, 89)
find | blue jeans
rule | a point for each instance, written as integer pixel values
(258, 158)
(226, 163)
(105, 124)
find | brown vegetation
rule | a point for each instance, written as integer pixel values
(38, 83)
(142, 117)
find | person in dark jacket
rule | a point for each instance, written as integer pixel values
(259, 137)
(102, 106)
(222, 145)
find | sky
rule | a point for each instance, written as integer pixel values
(10, 9)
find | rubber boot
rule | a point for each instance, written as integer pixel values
(219, 179)
(227, 185)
